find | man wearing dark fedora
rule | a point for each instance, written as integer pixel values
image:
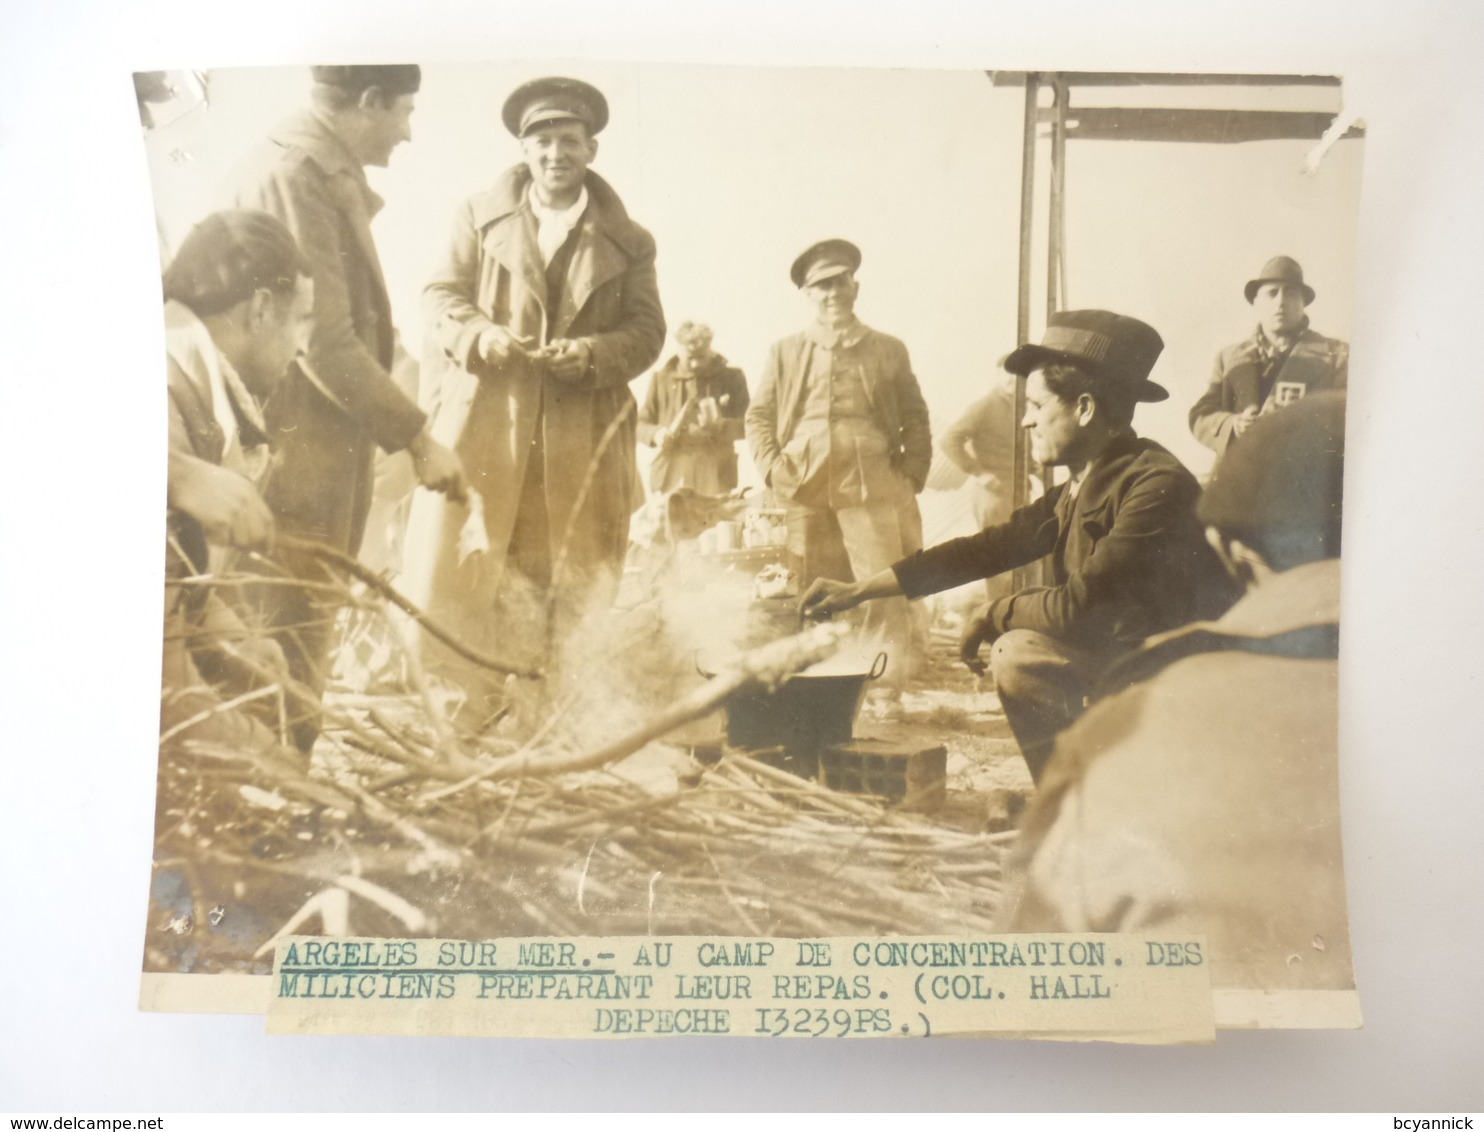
(339, 402)
(1127, 556)
(839, 430)
(543, 310)
(1283, 361)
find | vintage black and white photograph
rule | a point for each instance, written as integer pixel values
(622, 500)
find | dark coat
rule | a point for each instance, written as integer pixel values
(1242, 380)
(1128, 556)
(329, 414)
(896, 402)
(1202, 796)
(707, 463)
(493, 274)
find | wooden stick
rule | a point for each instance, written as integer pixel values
(769, 666)
(385, 588)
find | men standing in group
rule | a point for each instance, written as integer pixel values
(839, 430)
(1201, 793)
(1127, 556)
(338, 402)
(544, 309)
(1280, 364)
(693, 415)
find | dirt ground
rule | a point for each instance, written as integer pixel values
(988, 783)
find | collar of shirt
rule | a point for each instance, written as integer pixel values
(313, 134)
(1268, 347)
(189, 342)
(1303, 596)
(554, 225)
(835, 338)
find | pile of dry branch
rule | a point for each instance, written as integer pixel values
(401, 825)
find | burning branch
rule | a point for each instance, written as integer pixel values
(768, 666)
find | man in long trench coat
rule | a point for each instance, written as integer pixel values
(544, 309)
(338, 402)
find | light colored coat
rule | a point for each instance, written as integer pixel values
(896, 401)
(1245, 379)
(493, 275)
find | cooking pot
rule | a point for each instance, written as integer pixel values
(807, 711)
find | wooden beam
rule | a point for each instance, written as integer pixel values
(1114, 78)
(1107, 123)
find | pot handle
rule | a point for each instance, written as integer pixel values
(878, 666)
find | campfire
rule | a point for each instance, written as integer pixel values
(606, 818)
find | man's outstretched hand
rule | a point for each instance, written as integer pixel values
(825, 598)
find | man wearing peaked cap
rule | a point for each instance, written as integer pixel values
(1200, 793)
(824, 260)
(1127, 555)
(1281, 363)
(339, 402)
(542, 311)
(555, 100)
(839, 430)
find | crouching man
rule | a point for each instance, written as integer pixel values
(1201, 794)
(1127, 555)
(238, 298)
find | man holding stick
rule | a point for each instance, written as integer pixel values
(339, 401)
(237, 301)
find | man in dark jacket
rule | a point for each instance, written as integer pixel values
(1200, 793)
(693, 416)
(1127, 556)
(339, 401)
(1281, 363)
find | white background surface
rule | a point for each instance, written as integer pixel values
(79, 567)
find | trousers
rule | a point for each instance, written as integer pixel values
(854, 543)
(1043, 684)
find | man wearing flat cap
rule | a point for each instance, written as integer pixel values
(339, 402)
(1281, 363)
(543, 310)
(839, 430)
(1127, 556)
(1200, 793)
